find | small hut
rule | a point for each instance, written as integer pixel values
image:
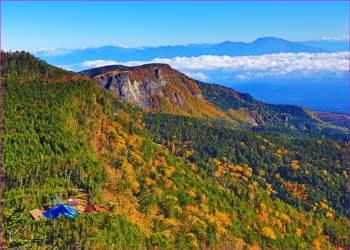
(37, 214)
(94, 208)
(55, 202)
(72, 203)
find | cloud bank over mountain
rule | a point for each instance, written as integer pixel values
(312, 73)
(250, 67)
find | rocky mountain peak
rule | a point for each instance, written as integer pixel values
(146, 85)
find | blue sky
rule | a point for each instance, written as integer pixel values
(35, 25)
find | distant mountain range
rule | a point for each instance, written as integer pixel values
(329, 45)
(261, 46)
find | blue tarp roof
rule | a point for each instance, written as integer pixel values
(60, 210)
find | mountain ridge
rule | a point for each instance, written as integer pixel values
(156, 87)
(260, 46)
(160, 88)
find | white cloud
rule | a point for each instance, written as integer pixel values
(197, 75)
(44, 50)
(120, 45)
(50, 52)
(341, 38)
(98, 63)
(282, 62)
(65, 67)
(246, 67)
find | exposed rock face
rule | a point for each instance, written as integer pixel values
(179, 101)
(153, 86)
(130, 89)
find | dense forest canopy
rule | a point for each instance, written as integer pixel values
(166, 181)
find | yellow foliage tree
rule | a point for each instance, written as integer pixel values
(268, 233)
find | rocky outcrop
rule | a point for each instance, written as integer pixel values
(156, 87)
(129, 89)
(139, 85)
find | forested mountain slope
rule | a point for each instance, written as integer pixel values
(64, 136)
(159, 88)
(337, 119)
(156, 87)
(288, 119)
(304, 172)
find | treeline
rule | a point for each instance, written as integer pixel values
(21, 64)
